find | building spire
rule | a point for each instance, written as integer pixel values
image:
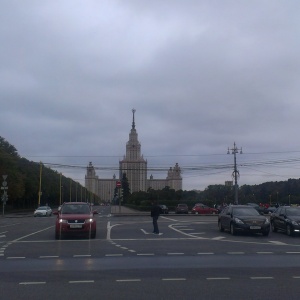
(133, 123)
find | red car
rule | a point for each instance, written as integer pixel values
(75, 218)
(202, 209)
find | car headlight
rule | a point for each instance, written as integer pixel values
(238, 221)
(62, 221)
(294, 223)
(89, 220)
(267, 221)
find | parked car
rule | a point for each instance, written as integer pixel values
(243, 218)
(75, 218)
(43, 211)
(257, 207)
(203, 209)
(270, 209)
(286, 218)
(181, 209)
(164, 209)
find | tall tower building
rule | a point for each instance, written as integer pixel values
(133, 164)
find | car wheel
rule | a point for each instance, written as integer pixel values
(232, 229)
(274, 228)
(93, 234)
(57, 236)
(221, 228)
(289, 230)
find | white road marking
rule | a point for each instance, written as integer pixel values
(173, 279)
(109, 230)
(16, 257)
(259, 278)
(49, 256)
(173, 220)
(205, 253)
(128, 280)
(145, 232)
(82, 281)
(218, 278)
(82, 255)
(277, 243)
(174, 253)
(36, 282)
(145, 254)
(113, 254)
(218, 238)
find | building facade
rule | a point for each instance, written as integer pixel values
(134, 166)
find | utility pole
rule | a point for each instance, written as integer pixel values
(235, 173)
(60, 186)
(40, 185)
(5, 196)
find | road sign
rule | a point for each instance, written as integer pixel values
(118, 184)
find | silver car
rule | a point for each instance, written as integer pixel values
(43, 211)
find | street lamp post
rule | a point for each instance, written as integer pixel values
(235, 173)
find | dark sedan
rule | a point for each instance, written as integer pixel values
(286, 218)
(243, 218)
(164, 209)
(182, 209)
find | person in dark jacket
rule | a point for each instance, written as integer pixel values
(155, 212)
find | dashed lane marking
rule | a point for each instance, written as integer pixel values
(218, 278)
(173, 279)
(49, 256)
(82, 281)
(32, 283)
(128, 280)
(261, 278)
(82, 255)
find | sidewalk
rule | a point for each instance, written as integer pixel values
(123, 211)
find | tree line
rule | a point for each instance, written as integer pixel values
(23, 181)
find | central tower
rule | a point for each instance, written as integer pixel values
(133, 164)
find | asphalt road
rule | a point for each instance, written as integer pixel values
(190, 260)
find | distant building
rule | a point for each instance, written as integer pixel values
(134, 166)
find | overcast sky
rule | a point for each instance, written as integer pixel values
(200, 74)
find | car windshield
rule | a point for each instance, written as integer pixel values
(293, 211)
(244, 211)
(77, 209)
(42, 208)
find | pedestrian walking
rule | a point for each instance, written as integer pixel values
(155, 212)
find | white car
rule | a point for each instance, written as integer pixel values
(43, 211)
